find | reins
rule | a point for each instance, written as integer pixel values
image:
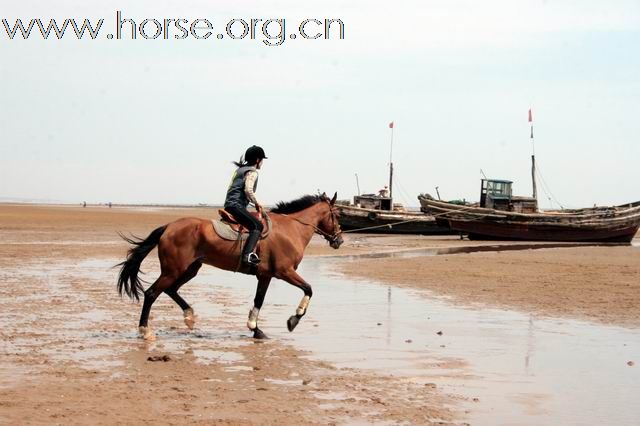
(317, 230)
(329, 237)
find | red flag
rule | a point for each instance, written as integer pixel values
(530, 116)
(391, 125)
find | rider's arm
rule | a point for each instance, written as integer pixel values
(249, 184)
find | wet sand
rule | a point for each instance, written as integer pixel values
(71, 354)
(592, 283)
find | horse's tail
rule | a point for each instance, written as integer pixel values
(128, 280)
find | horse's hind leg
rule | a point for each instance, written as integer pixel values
(252, 322)
(150, 295)
(172, 292)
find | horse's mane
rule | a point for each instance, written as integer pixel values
(286, 207)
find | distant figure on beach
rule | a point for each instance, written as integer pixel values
(84, 204)
(384, 192)
(109, 204)
(240, 193)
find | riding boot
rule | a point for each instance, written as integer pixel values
(249, 257)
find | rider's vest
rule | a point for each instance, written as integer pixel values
(235, 194)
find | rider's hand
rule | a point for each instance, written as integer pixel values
(259, 208)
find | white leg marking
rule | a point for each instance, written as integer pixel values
(189, 318)
(252, 322)
(302, 307)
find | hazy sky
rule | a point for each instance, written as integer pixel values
(159, 121)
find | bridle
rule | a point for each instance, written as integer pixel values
(336, 231)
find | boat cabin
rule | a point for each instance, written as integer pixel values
(496, 194)
(372, 201)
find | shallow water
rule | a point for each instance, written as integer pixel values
(519, 369)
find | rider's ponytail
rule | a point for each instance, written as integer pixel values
(240, 163)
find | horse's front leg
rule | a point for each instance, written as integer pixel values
(252, 322)
(293, 278)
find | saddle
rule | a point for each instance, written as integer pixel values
(229, 229)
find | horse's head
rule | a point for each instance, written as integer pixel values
(329, 224)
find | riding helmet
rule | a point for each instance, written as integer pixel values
(253, 154)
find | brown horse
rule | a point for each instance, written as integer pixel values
(187, 243)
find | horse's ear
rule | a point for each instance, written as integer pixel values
(333, 200)
(323, 195)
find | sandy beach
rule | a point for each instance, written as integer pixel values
(505, 131)
(71, 354)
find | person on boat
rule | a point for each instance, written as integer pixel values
(242, 192)
(384, 192)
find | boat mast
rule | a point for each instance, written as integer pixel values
(533, 160)
(533, 176)
(391, 165)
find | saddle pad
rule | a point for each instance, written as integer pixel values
(225, 232)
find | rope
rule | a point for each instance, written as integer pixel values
(479, 216)
(388, 225)
(546, 188)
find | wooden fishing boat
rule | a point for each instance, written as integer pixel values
(506, 221)
(501, 215)
(368, 214)
(377, 213)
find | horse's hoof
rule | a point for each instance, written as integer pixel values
(258, 334)
(147, 334)
(292, 322)
(189, 322)
(189, 318)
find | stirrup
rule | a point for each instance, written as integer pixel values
(251, 259)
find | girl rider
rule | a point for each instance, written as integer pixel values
(241, 192)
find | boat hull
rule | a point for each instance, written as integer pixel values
(532, 232)
(605, 224)
(356, 219)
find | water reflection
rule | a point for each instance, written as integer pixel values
(522, 369)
